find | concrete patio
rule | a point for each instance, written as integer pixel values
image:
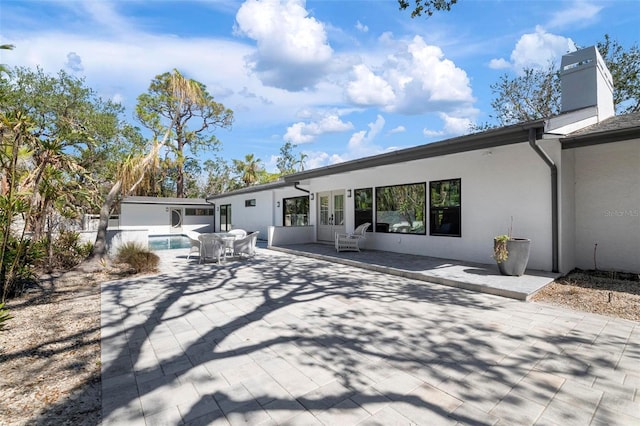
(288, 339)
(484, 278)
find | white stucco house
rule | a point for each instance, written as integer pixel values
(570, 183)
(166, 216)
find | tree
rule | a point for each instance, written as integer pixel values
(70, 123)
(192, 120)
(532, 95)
(286, 161)
(536, 93)
(428, 7)
(249, 169)
(132, 172)
(3, 68)
(219, 177)
(624, 66)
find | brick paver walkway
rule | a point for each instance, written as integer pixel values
(282, 339)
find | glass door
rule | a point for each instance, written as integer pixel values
(225, 218)
(330, 215)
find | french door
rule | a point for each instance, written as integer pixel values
(330, 215)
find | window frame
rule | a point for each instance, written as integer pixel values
(199, 211)
(284, 211)
(379, 225)
(370, 216)
(433, 209)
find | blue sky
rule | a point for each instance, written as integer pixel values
(341, 79)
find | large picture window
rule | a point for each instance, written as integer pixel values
(296, 211)
(401, 208)
(363, 206)
(445, 208)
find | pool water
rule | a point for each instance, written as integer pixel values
(168, 242)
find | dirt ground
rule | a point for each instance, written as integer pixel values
(50, 350)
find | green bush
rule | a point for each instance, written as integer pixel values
(4, 316)
(138, 256)
(66, 251)
(18, 264)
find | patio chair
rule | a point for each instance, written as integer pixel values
(246, 246)
(195, 242)
(210, 247)
(351, 242)
(238, 233)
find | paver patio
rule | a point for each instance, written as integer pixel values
(284, 339)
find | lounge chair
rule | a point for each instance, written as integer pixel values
(351, 242)
(211, 247)
(246, 246)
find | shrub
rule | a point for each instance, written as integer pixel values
(4, 316)
(138, 257)
(66, 251)
(18, 266)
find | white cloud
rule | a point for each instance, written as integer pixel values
(498, 64)
(293, 52)
(452, 126)
(301, 133)
(74, 62)
(360, 142)
(580, 13)
(456, 126)
(416, 79)
(537, 50)
(399, 129)
(368, 89)
(361, 27)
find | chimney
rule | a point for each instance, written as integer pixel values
(586, 82)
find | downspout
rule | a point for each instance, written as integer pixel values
(295, 185)
(554, 197)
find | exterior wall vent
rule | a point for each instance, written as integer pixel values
(586, 82)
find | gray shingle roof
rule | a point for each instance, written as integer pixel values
(613, 129)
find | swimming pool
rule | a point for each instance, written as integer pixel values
(168, 242)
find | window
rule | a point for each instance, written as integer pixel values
(198, 212)
(363, 207)
(250, 203)
(401, 208)
(445, 211)
(296, 211)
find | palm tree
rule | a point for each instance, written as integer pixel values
(132, 172)
(249, 169)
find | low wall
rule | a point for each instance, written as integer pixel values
(118, 237)
(285, 235)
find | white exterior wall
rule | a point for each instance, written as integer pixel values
(156, 218)
(568, 212)
(497, 184)
(255, 218)
(607, 206)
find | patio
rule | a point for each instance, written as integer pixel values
(287, 339)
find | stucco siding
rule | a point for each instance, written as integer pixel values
(607, 205)
(156, 218)
(252, 218)
(497, 184)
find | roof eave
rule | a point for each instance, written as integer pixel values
(491, 138)
(598, 138)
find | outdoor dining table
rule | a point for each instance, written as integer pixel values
(227, 240)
